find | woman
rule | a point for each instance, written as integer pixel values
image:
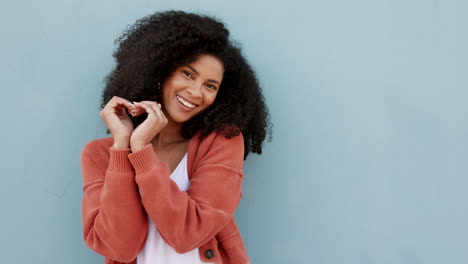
(184, 109)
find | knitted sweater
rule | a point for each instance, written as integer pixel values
(122, 188)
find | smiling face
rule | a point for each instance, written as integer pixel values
(192, 88)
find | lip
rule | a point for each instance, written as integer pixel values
(183, 107)
(187, 100)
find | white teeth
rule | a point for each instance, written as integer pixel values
(184, 102)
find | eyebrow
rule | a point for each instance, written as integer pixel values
(195, 71)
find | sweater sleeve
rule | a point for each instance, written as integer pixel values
(114, 223)
(188, 219)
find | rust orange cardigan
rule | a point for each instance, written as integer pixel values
(122, 188)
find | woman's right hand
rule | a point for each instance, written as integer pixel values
(117, 120)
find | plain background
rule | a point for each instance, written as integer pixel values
(368, 162)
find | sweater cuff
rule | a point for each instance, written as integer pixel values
(118, 161)
(144, 159)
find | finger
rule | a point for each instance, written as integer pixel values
(146, 108)
(152, 105)
(157, 109)
(120, 101)
(116, 103)
(136, 110)
(120, 111)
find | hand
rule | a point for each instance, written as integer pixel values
(117, 120)
(153, 124)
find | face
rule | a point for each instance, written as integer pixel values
(192, 88)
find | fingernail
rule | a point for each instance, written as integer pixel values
(159, 105)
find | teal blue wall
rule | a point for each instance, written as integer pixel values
(368, 162)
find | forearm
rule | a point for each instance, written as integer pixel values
(114, 222)
(186, 220)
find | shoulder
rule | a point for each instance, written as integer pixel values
(216, 148)
(95, 159)
(98, 148)
(216, 139)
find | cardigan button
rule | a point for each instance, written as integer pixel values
(209, 254)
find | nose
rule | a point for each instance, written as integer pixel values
(195, 90)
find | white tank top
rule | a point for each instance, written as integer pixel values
(156, 250)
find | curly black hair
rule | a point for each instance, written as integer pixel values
(152, 48)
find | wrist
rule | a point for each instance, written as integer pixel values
(136, 147)
(121, 144)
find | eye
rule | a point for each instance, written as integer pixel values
(188, 74)
(212, 87)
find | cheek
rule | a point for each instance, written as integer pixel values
(180, 80)
(210, 99)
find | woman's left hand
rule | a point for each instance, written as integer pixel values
(153, 124)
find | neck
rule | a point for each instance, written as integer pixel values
(171, 134)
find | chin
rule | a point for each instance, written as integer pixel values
(180, 118)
